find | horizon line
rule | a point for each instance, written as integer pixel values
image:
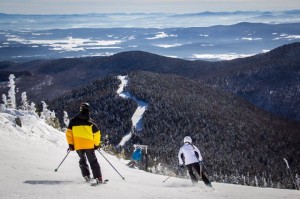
(129, 13)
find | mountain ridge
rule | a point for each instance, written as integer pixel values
(70, 73)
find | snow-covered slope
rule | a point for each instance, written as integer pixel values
(29, 155)
(136, 118)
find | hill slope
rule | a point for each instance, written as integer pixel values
(236, 138)
(31, 157)
(270, 81)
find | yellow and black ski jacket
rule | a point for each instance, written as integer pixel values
(83, 134)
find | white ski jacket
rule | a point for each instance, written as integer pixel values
(187, 154)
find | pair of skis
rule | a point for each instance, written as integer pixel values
(93, 184)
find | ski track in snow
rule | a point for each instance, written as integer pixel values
(137, 123)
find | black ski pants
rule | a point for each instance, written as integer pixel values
(195, 167)
(89, 154)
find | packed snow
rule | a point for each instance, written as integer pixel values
(31, 153)
(137, 123)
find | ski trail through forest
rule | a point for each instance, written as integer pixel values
(137, 122)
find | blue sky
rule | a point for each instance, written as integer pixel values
(135, 6)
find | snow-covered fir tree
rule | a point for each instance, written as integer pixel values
(256, 181)
(49, 116)
(297, 179)
(25, 105)
(11, 102)
(45, 112)
(4, 99)
(66, 119)
(32, 107)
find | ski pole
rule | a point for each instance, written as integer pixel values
(62, 160)
(203, 165)
(200, 168)
(167, 179)
(178, 170)
(111, 164)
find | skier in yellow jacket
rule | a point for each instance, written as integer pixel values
(84, 136)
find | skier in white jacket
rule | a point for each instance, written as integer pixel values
(190, 156)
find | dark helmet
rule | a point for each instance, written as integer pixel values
(84, 106)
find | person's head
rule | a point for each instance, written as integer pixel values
(84, 106)
(84, 111)
(187, 139)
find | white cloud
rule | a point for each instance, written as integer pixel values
(293, 37)
(99, 54)
(203, 35)
(229, 56)
(161, 35)
(39, 34)
(103, 47)
(167, 45)
(286, 36)
(207, 45)
(67, 44)
(171, 56)
(251, 39)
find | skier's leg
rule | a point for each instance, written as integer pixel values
(90, 153)
(82, 163)
(205, 180)
(191, 173)
(199, 170)
(131, 163)
(134, 163)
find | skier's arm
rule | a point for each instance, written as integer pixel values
(197, 151)
(97, 135)
(180, 153)
(69, 134)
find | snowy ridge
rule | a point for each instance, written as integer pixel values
(136, 118)
(29, 155)
(32, 127)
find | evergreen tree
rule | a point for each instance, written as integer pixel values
(32, 107)
(66, 118)
(11, 93)
(24, 101)
(49, 116)
(4, 99)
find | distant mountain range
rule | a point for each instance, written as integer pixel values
(144, 20)
(219, 42)
(269, 80)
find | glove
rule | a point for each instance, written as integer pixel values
(96, 147)
(180, 166)
(71, 147)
